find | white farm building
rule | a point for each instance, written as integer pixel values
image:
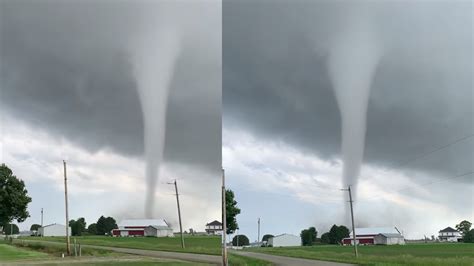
(389, 239)
(284, 240)
(375, 236)
(53, 230)
(143, 227)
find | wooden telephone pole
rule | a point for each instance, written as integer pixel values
(352, 218)
(68, 244)
(224, 222)
(179, 212)
(41, 218)
(258, 234)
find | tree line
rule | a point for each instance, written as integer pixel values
(335, 235)
(103, 226)
(465, 228)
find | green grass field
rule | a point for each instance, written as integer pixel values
(194, 244)
(236, 260)
(12, 253)
(50, 254)
(411, 254)
(204, 245)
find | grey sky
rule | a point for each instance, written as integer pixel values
(276, 82)
(66, 76)
(66, 66)
(281, 122)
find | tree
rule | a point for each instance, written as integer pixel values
(77, 227)
(266, 237)
(325, 238)
(308, 236)
(92, 229)
(469, 236)
(35, 227)
(232, 211)
(105, 225)
(14, 198)
(72, 224)
(240, 240)
(337, 233)
(11, 229)
(464, 227)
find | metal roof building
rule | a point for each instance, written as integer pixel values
(143, 227)
(375, 236)
(284, 240)
(53, 230)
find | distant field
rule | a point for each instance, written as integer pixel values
(12, 253)
(411, 254)
(194, 244)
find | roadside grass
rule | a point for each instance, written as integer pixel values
(129, 262)
(237, 260)
(13, 253)
(58, 250)
(35, 253)
(194, 244)
(410, 254)
(133, 263)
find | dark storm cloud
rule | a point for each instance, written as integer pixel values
(276, 83)
(65, 66)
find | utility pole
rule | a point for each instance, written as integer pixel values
(224, 222)
(41, 219)
(179, 212)
(352, 218)
(258, 235)
(68, 244)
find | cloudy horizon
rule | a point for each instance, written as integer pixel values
(251, 92)
(282, 125)
(69, 91)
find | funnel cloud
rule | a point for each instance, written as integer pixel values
(118, 88)
(154, 61)
(353, 58)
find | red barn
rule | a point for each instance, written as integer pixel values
(143, 227)
(366, 236)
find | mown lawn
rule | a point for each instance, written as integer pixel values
(57, 250)
(236, 260)
(194, 244)
(138, 262)
(411, 254)
(12, 253)
(49, 254)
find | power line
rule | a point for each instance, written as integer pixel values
(422, 155)
(415, 158)
(447, 145)
(276, 194)
(425, 184)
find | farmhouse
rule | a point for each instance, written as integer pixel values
(53, 230)
(449, 234)
(376, 236)
(214, 228)
(143, 227)
(284, 240)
